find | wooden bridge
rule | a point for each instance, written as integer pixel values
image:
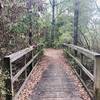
(52, 74)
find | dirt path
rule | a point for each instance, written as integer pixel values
(57, 82)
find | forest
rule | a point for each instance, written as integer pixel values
(49, 22)
(15, 21)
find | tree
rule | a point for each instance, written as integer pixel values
(76, 18)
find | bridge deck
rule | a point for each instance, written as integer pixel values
(57, 82)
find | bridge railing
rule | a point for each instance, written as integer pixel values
(79, 54)
(17, 67)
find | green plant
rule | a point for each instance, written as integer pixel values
(2, 85)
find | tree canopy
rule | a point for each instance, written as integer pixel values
(15, 23)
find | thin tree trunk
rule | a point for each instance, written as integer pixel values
(76, 17)
(29, 9)
(53, 22)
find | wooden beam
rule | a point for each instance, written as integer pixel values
(83, 68)
(97, 77)
(84, 51)
(7, 69)
(13, 57)
(83, 83)
(23, 85)
(23, 69)
(8, 82)
(96, 58)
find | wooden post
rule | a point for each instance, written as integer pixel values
(97, 77)
(75, 53)
(8, 83)
(32, 57)
(81, 57)
(26, 68)
(30, 66)
(69, 49)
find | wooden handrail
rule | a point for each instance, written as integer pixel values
(96, 58)
(13, 57)
(84, 51)
(23, 69)
(8, 69)
(83, 68)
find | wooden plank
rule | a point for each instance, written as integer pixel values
(26, 68)
(23, 69)
(13, 57)
(94, 56)
(90, 94)
(84, 51)
(97, 78)
(83, 68)
(8, 83)
(23, 85)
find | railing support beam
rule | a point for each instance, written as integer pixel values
(8, 83)
(97, 77)
(95, 57)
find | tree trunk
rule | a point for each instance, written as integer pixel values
(76, 17)
(29, 9)
(53, 22)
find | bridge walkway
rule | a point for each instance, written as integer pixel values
(58, 81)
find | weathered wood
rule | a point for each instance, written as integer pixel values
(7, 69)
(90, 94)
(84, 51)
(32, 57)
(8, 82)
(23, 85)
(96, 58)
(97, 77)
(23, 69)
(81, 57)
(13, 57)
(26, 68)
(83, 68)
(30, 66)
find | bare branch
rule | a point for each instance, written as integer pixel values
(50, 2)
(60, 3)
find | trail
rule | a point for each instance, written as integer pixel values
(58, 82)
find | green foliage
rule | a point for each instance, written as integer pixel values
(19, 28)
(66, 37)
(2, 87)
